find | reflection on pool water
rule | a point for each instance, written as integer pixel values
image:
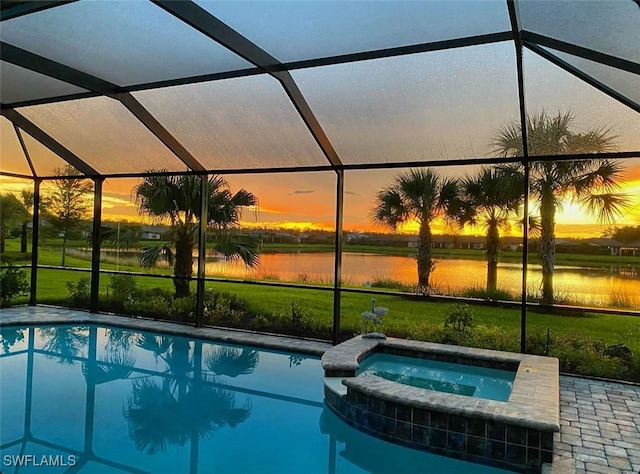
(117, 400)
(469, 380)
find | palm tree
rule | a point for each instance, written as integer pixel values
(593, 183)
(489, 198)
(177, 199)
(420, 195)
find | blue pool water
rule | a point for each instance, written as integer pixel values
(469, 380)
(111, 400)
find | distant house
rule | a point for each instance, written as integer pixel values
(152, 232)
(470, 242)
(382, 240)
(408, 241)
(512, 244)
(613, 247)
(568, 246)
(318, 237)
(632, 249)
(443, 241)
(355, 238)
(596, 246)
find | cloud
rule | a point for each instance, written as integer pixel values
(353, 193)
(303, 191)
(110, 201)
(269, 210)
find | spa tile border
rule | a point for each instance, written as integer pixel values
(534, 399)
(44, 315)
(516, 435)
(470, 439)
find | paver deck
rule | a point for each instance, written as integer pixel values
(599, 428)
(599, 421)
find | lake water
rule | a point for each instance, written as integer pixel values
(579, 284)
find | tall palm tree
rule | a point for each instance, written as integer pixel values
(176, 199)
(489, 198)
(421, 195)
(593, 183)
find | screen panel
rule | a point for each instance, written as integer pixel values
(623, 82)
(430, 106)
(236, 123)
(44, 160)
(607, 27)
(293, 31)
(104, 134)
(556, 92)
(98, 39)
(13, 158)
(18, 84)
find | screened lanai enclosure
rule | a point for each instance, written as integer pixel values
(340, 151)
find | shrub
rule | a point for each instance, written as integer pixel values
(223, 308)
(13, 282)
(122, 286)
(620, 351)
(79, 292)
(184, 309)
(459, 317)
(260, 322)
(154, 306)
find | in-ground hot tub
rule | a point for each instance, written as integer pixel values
(390, 389)
(449, 377)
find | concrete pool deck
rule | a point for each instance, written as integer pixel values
(599, 421)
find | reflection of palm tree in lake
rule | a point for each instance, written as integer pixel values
(9, 336)
(65, 341)
(171, 411)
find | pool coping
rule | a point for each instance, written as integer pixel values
(535, 396)
(44, 315)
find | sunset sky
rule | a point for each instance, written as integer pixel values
(444, 104)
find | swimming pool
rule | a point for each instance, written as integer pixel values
(109, 399)
(468, 380)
